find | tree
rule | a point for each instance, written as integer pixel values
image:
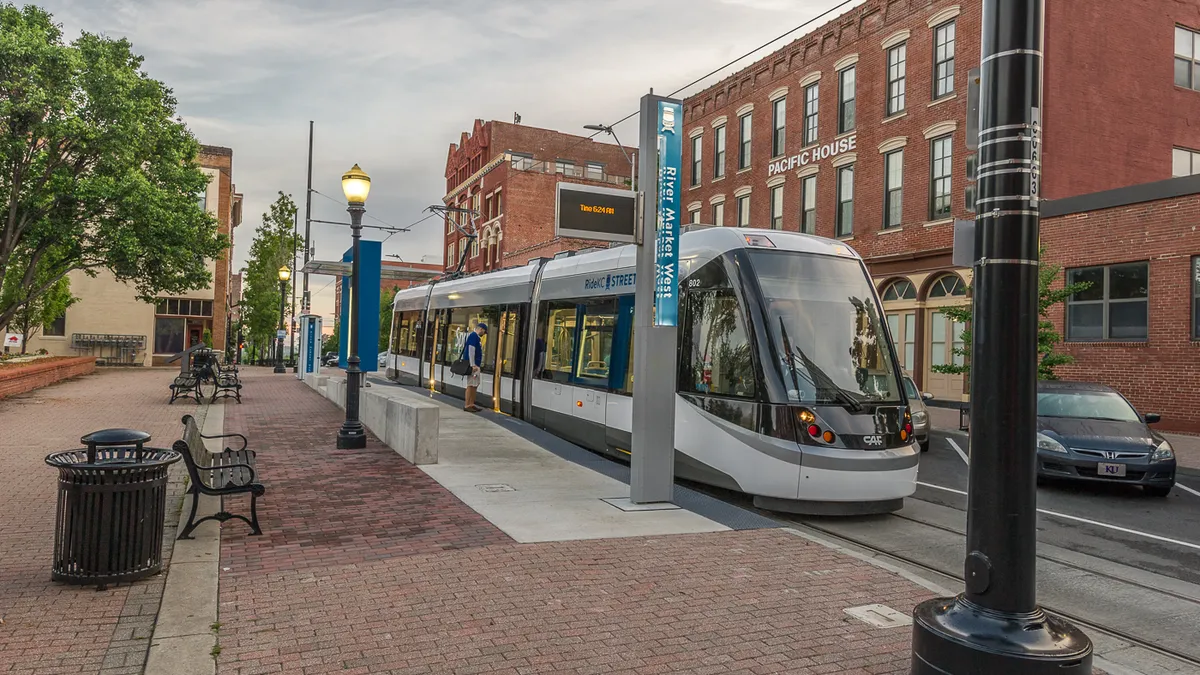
(385, 317)
(1047, 337)
(274, 246)
(35, 313)
(96, 172)
(332, 343)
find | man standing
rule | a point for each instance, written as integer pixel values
(473, 353)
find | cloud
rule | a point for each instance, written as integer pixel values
(391, 83)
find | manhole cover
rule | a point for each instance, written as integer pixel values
(497, 487)
(880, 616)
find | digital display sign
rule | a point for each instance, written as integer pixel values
(587, 212)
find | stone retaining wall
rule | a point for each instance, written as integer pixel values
(20, 379)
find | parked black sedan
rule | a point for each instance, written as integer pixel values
(1090, 432)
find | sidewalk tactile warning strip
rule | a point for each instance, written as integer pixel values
(880, 616)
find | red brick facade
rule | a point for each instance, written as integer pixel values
(1160, 374)
(228, 217)
(1111, 115)
(508, 173)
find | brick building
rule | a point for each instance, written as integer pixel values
(508, 174)
(857, 131)
(109, 322)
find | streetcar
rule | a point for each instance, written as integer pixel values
(788, 388)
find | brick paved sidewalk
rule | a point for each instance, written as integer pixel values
(55, 628)
(368, 566)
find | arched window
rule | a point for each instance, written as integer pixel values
(947, 285)
(901, 289)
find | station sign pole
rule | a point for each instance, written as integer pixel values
(996, 626)
(656, 302)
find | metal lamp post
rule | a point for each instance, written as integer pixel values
(632, 164)
(284, 275)
(996, 627)
(356, 184)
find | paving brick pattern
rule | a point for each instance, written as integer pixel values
(56, 628)
(326, 506)
(370, 567)
(761, 601)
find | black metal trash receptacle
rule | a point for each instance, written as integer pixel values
(112, 499)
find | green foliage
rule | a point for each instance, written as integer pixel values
(96, 172)
(332, 341)
(33, 313)
(274, 246)
(385, 317)
(1047, 337)
(207, 338)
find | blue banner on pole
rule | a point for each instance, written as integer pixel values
(666, 242)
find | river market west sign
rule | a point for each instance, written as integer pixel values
(847, 144)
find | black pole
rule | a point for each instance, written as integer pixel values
(279, 338)
(996, 626)
(305, 300)
(239, 342)
(352, 436)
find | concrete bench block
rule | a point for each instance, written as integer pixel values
(413, 430)
(373, 412)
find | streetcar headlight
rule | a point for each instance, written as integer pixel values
(1162, 453)
(1048, 444)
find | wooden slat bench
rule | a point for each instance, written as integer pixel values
(186, 385)
(229, 385)
(231, 472)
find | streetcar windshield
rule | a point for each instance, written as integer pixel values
(826, 326)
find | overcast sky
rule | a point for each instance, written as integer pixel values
(391, 83)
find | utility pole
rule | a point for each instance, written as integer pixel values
(305, 299)
(996, 626)
(294, 326)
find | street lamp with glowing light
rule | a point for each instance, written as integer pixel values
(356, 185)
(284, 275)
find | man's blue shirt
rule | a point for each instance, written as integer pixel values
(473, 341)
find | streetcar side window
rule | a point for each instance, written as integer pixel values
(556, 343)
(512, 329)
(399, 332)
(409, 345)
(456, 333)
(593, 362)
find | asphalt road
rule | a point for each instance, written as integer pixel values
(1113, 522)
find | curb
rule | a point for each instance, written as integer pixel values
(185, 635)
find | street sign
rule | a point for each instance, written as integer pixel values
(280, 334)
(666, 244)
(590, 212)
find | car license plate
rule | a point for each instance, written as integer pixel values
(1114, 470)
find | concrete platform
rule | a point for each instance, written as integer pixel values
(532, 494)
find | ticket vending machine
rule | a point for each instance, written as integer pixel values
(310, 346)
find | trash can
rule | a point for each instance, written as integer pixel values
(112, 498)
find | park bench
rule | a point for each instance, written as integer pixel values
(231, 472)
(187, 383)
(229, 385)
